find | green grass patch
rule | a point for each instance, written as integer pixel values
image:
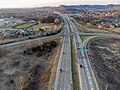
(83, 38)
(8, 26)
(27, 82)
(75, 76)
(81, 22)
(40, 25)
(26, 25)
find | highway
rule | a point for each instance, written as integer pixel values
(33, 40)
(87, 78)
(63, 80)
(59, 35)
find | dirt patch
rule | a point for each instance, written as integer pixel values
(93, 30)
(29, 71)
(105, 60)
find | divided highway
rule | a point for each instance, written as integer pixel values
(87, 78)
(63, 79)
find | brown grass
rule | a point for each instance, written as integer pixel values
(54, 66)
(3, 52)
(75, 74)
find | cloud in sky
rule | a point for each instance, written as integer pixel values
(39, 3)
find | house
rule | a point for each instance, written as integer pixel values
(100, 26)
(32, 21)
(9, 34)
(46, 28)
(107, 24)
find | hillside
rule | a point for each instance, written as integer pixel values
(105, 60)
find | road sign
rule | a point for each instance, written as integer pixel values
(81, 49)
(86, 50)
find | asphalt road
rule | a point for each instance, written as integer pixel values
(87, 79)
(33, 40)
(63, 80)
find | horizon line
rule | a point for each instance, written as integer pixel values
(28, 7)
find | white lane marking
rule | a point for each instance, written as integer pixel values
(61, 79)
(86, 69)
(66, 79)
(88, 77)
(88, 73)
(89, 80)
(84, 59)
(90, 83)
(92, 89)
(86, 65)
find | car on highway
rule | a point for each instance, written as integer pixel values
(60, 70)
(81, 66)
(83, 57)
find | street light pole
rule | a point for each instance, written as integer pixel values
(106, 88)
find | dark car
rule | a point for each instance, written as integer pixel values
(81, 66)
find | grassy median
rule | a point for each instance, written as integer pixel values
(83, 38)
(75, 76)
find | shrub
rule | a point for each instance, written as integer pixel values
(34, 70)
(48, 19)
(27, 52)
(33, 49)
(47, 44)
(38, 54)
(53, 44)
(41, 30)
(27, 83)
(49, 49)
(3, 52)
(40, 49)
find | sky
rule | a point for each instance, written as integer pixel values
(40, 3)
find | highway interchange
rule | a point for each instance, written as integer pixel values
(63, 80)
(87, 79)
(86, 75)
